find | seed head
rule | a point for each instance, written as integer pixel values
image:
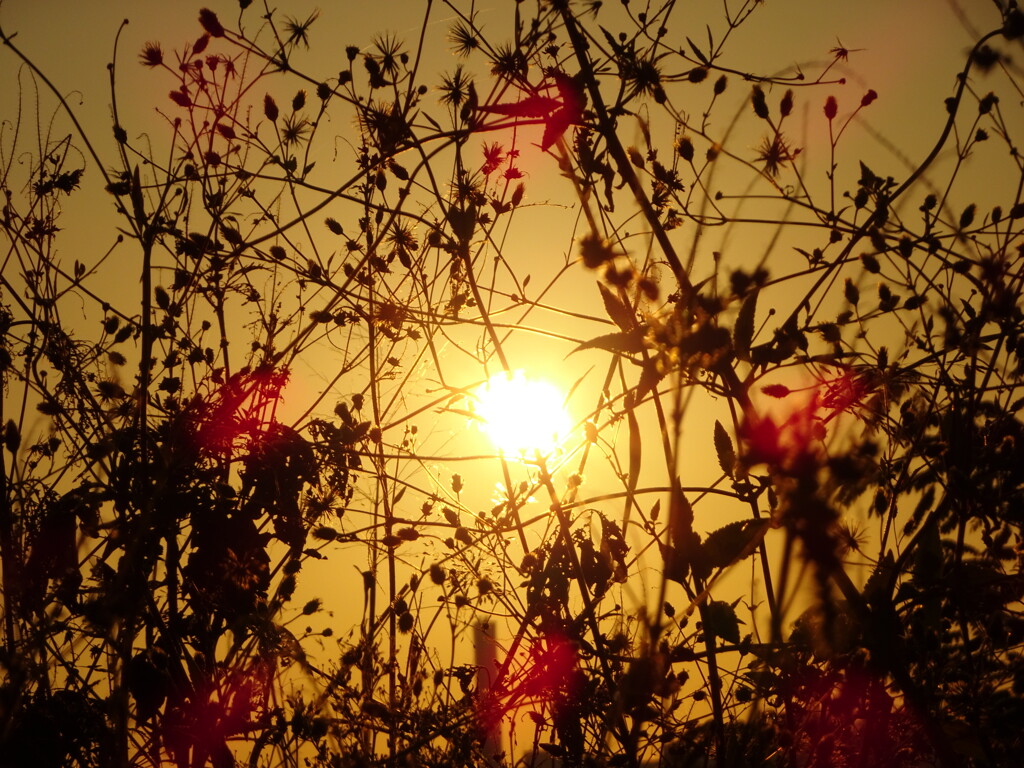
(210, 23)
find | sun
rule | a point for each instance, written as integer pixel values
(521, 415)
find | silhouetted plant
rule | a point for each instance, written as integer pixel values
(329, 265)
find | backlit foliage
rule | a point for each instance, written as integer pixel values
(242, 520)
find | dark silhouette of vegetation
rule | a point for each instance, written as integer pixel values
(241, 522)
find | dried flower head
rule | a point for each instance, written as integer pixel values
(786, 105)
(389, 54)
(509, 61)
(831, 107)
(596, 251)
(757, 98)
(402, 237)
(294, 129)
(298, 31)
(455, 87)
(684, 147)
(774, 152)
(152, 55)
(464, 39)
(181, 98)
(270, 108)
(211, 23)
(494, 155)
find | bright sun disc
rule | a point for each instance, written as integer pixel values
(522, 415)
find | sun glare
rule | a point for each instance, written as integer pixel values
(522, 415)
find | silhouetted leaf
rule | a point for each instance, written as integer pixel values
(626, 342)
(724, 449)
(723, 546)
(720, 620)
(682, 552)
(148, 681)
(556, 126)
(531, 106)
(697, 52)
(617, 310)
(743, 333)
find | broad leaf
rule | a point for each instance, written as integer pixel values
(725, 545)
(720, 620)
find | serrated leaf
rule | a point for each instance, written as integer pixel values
(651, 373)
(724, 546)
(610, 39)
(681, 558)
(625, 342)
(720, 620)
(743, 333)
(723, 447)
(617, 310)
